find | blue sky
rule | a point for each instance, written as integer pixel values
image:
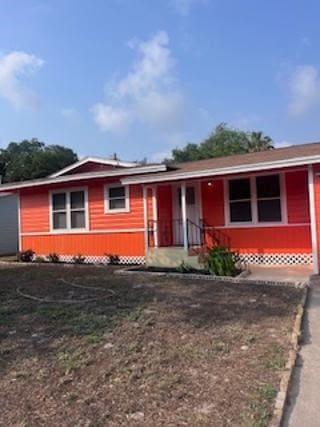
(140, 77)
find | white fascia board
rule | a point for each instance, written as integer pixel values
(82, 177)
(94, 160)
(298, 161)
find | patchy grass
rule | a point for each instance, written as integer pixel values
(170, 352)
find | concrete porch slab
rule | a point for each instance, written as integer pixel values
(286, 273)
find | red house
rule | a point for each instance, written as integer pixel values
(265, 205)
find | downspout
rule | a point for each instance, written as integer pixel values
(313, 223)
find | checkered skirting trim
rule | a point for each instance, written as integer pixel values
(103, 259)
(277, 259)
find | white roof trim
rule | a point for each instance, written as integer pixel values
(82, 176)
(298, 161)
(95, 160)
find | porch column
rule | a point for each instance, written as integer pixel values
(313, 223)
(145, 217)
(155, 216)
(184, 215)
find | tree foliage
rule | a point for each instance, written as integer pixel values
(223, 141)
(31, 159)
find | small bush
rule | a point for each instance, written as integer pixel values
(113, 259)
(54, 258)
(26, 256)
(79, 259)
(220, 261)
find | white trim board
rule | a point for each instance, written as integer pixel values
(106, 197)
(82, 177)
(246, 168)
(110, 231)
(98, 160)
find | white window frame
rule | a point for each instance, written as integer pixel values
(107, 209)
(254, 202)
(67, 192)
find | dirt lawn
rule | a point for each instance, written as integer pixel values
(138, 351)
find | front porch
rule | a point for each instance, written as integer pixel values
(177, 233)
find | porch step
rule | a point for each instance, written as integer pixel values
(171, 258)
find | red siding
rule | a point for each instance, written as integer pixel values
(35, 219)
(297, 197)
(164, 195)
(127, 244)
(34, 207)
(265, 239)
(99, 220)
(260, 240)
(213, 202)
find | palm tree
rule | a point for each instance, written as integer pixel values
(257, 141)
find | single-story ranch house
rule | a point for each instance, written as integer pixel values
(266, 205)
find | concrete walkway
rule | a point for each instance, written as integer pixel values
(294, 273)
(303, 407)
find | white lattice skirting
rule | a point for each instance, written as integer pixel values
(103, 259)
(277, 259)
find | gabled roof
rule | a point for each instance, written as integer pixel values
(98, 160)
(295, 155)
(83, 177)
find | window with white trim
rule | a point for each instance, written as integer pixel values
(68, 210)
(117, 198)
(255, 200)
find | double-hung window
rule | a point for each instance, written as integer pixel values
(116, 199)
(68, 210)
(255, 200)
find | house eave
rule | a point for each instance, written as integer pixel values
(178, 176)
(82, 177)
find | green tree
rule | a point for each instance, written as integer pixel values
(31, 159)
(223, 141)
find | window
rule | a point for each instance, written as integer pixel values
(117, 199)
(68, 210)
(268, 198)
(255, 199)
(240, 200)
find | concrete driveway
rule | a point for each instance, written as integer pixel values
(303, 407)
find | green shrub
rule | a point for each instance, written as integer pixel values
(26, 256)
(54, 258)
(79, 259)
(220, 261)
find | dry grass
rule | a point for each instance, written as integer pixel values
(154, 352)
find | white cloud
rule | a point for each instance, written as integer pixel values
(147, 94)
(13, 68)
(304, 90)
(109, 118)
(154, 65)
(183, 7)
(161, 110)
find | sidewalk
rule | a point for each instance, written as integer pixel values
(303, 407)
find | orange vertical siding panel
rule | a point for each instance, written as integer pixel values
(34, 211)
(297, 197)
(125, 244)
(286, 239)
(99, 220)
(213, 202)
(164, 196)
